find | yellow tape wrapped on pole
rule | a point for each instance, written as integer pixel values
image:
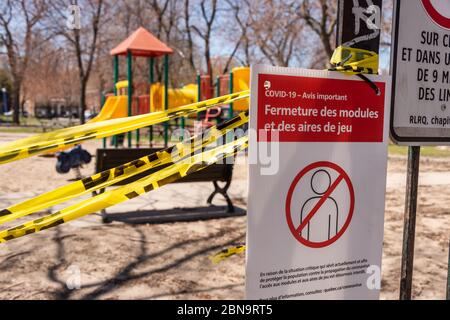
(104, 200)
(112, 176)
(52, 141)
(354, 61)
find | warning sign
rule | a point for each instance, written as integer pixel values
(318, 152)
(439, 11)
(322, 218)
(421, 73)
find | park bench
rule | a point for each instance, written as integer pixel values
(110, 158)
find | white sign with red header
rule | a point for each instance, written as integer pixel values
(421, 73)
(315, 219)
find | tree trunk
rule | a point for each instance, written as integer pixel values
(82, 106)
(189, 35)
(209, 70)
(16, 102)
(327, 46)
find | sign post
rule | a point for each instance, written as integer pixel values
(359, 24)
(409, 225)
(317, 185)
(448, 273)
(421, 99)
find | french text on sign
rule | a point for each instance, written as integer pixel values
(341, 113)
(315, 225)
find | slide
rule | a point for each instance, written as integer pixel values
(115, 107)
(241, 82)
(177, 97)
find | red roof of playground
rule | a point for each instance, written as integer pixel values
(142, 43)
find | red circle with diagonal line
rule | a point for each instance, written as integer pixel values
(435, 15)
(342, 177)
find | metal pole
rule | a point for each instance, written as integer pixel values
(183, 125)
(116, 79)
(137, 103)
(151, 65)
(409, 227)
(217, 93)
(230, 109)
(199, 92)
(130, 89)
(448, 273)
(116, 72)
(166, 98)
(102, 103)
(138, 131)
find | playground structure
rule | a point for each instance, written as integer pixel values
(203, 161)
(123, 103)
(160, 97)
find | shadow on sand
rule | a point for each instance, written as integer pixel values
(128, 272)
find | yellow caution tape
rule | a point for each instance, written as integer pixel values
(226, 253)
(52, 141)
(112, 176)
(104, 200)
(354, 61)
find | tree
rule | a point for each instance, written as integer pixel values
(276, 29)
(80, 25)
(208, 14)
(241, 17)
(159, 8)
(159, 11)
(187, 24)
(50, 63)
(18, 22)
(321, 17)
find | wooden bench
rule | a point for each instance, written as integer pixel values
(110, 158)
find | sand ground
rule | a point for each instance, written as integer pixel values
(170, 261)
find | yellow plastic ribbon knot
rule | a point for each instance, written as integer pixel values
(354, 61)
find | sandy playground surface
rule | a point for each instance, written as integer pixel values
(170, 261)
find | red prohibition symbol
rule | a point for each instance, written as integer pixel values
(435, 15)
(342, 177)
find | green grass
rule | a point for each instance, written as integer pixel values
(24, 129)
(32, 125)
(28, 121)
(432, 152)
(28, 125)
